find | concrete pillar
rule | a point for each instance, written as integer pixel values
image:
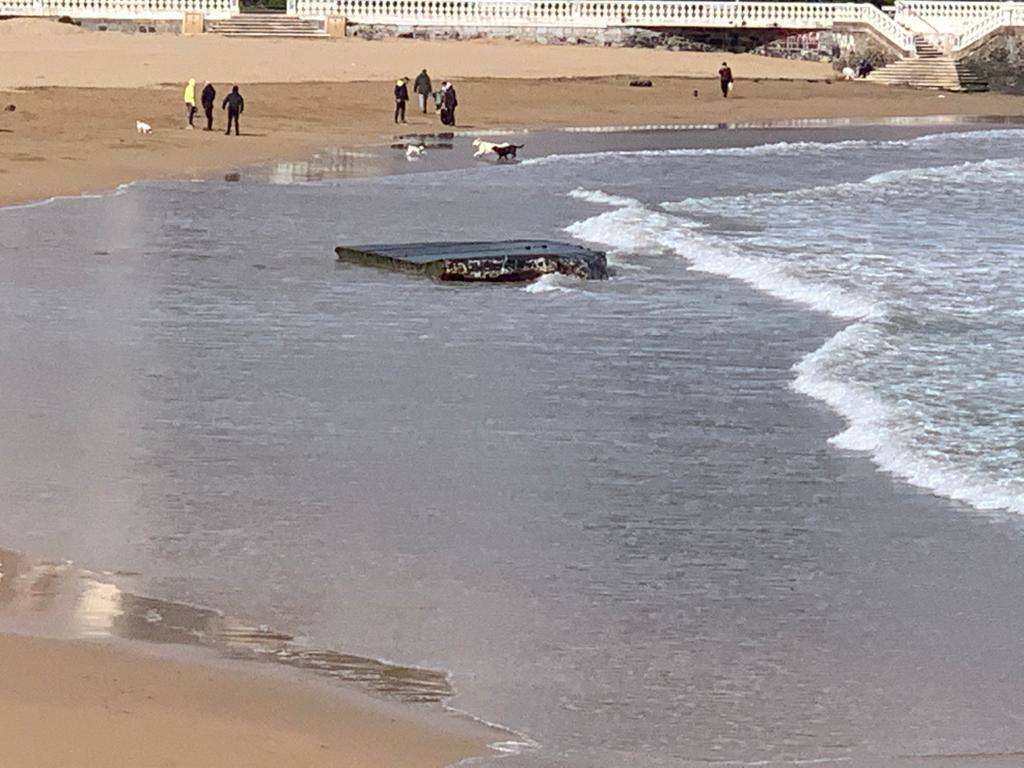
(193, 24)
(335, 26)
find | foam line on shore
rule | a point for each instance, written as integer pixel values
(117, 191)
(520, 742)
(808, 122)
(773, 149)
(632, 229)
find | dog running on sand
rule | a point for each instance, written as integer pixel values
(142, 127)
(413, 152)
(504, 151)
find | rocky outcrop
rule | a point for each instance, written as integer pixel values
(999, 59)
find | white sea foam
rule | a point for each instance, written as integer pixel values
(777, 148)
(988, 171)
(553, 283)
(633, 229)
(602, 198)
(119, 190)
(519, 743)
(874, 425)
(786, 148)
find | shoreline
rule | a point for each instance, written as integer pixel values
(97, 149)
(134, 707)
(61, 625)
(363, 149)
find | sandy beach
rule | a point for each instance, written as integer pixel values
(76, 101)
(117, 708)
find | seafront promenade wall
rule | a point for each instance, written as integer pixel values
(956, 26)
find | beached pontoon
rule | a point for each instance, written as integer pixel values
(502, 261)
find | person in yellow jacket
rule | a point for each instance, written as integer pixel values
(190, 102)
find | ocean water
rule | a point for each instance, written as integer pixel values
(924, 258)
(752, 501)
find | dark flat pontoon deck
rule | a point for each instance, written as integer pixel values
(500, 261)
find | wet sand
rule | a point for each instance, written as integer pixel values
(55, 599)
(73, 129)
(124, 709)
(164, 686)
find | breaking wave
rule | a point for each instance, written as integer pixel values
(906, 411)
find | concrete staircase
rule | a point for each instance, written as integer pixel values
(265, 25)
(926, 49)
(931, 68)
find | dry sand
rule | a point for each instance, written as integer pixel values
(71, 704)
(73, 135)
(38, 53)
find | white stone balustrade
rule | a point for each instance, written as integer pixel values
(1006, 15)
(956, 24)
(119, 9)
(946, 18)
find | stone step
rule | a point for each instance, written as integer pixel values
(266, 25)
(933, 72)
(927, 49)
(249, 25)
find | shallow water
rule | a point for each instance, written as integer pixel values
(609, 509)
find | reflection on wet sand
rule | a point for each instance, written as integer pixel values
(82, 604)
(328, 164)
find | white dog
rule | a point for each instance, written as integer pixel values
(483, 147)
(504, 151)
(142, 127)
(414, 152)
(848, 73)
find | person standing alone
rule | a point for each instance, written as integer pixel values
(208, 99)
(725, 78)
(235, 105)
(401, 96)
(190, 103)
(423, 89)
(449, 102)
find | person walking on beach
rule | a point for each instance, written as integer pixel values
(449, 101)
(208, 99)
(235, 105)
(423, 89)
(725, 78)
(190, 103)
(401, 97)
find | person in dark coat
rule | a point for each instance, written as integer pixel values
(209, 98)
(449, 101)
(423, 89)
(235, 105)
(725, 79)
(401, 97)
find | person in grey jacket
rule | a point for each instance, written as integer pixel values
(423, 89)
